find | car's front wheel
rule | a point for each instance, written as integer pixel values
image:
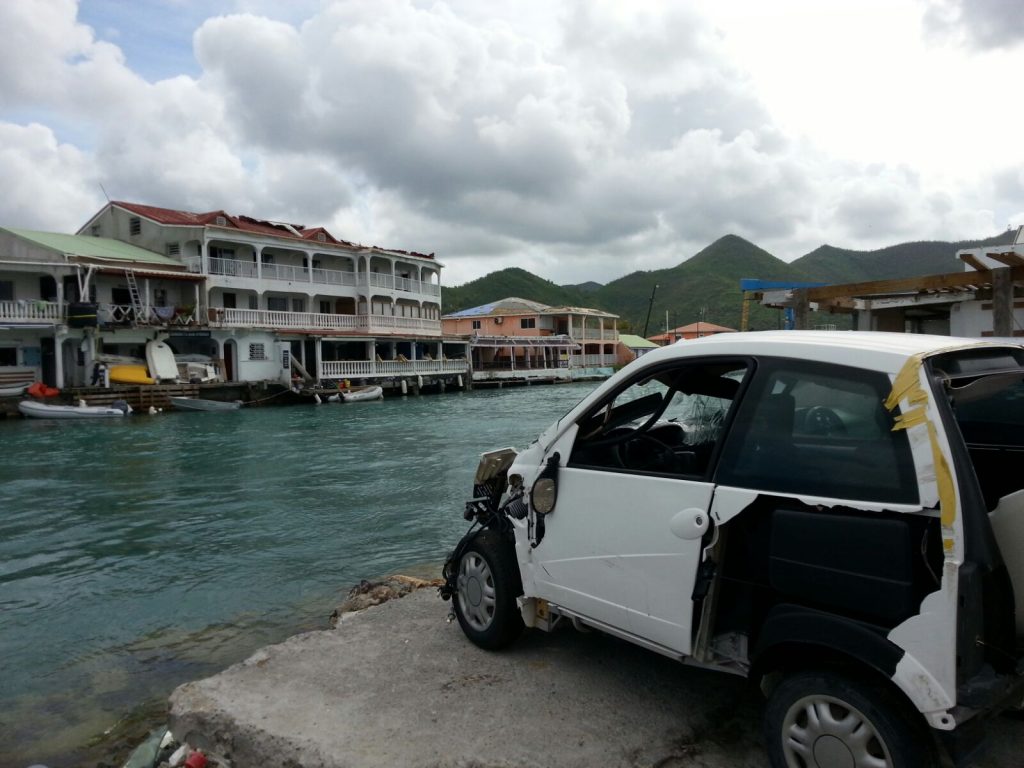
(824, 719)
(487, 586)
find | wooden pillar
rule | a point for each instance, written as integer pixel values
(801, 309)
(1002, 302)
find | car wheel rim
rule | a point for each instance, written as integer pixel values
(476, 591)
(825, 732)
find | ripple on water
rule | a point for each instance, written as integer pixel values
(139, 554)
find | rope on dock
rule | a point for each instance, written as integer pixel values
(268, 397)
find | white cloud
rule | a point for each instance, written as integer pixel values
(50, 186)
(581, 140)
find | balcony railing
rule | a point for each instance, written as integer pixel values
(232, 267)
(334, 277)
(592, 361)
(126, 314)
(31, 311)
(352, 369)
(266, 318)
(296, 274)
(607, 334)
(285, 272)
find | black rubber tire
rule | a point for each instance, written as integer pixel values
(896, 734)
(487, 585)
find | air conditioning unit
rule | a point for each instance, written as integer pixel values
(499, 320)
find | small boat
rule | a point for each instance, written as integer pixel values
(130, 374)
(199, 404)
(12, 390)
(363, 393)
(160, 361)
(35, 410)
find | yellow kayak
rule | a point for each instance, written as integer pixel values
(130, 374)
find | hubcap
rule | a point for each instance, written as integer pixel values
(476, 591)
(825, 732)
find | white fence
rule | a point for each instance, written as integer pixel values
(26, 311)
(353, 369)
(266, 318)
(295, 274)
(596, 333)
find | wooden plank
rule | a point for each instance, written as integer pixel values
(923, 283)
(1009, 258)
(974, 261)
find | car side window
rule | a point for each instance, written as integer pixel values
(819, 430)
(668, 421)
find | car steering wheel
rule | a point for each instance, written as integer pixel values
(820, 420)
(659, 457)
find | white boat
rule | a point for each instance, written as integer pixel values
(160, 360)
(199, 404)
(363, 393)
(12, 390)
(36, 410)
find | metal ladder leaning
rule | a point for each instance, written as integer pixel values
(133, 291)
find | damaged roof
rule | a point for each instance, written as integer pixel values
(267, 227)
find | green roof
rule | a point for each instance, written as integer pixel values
(636, 342)
(93, 247)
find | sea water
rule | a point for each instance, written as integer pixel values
(137, 554)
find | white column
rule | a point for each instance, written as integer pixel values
(318, 345)
(259, 263)
(58, 354)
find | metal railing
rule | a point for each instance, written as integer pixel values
(31, 311)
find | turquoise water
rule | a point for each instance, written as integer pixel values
(138, 554)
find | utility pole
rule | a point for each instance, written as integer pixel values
(649, 306)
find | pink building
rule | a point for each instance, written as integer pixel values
(517, 338)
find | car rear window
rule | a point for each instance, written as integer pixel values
(816, 429)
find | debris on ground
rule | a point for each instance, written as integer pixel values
(369, 593)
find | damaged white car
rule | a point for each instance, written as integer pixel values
(838, 516)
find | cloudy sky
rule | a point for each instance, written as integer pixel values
(581, 140)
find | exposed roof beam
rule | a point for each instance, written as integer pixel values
(1009, 258)
(908, 284)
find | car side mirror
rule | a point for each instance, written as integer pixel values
(544, 493)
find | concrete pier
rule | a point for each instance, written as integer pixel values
(396, 685)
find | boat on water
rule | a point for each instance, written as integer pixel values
(199, 404)
(361, 394)
(34, 410)
(15, 389)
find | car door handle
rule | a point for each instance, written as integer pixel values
(689, 524)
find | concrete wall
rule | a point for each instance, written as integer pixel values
(974, 318)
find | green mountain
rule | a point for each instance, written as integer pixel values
(704, 287)
(509, 282)
(843, 265)
(707, 286)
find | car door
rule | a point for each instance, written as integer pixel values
(623, 544)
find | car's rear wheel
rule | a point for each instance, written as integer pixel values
(487, 586)
(824, 719)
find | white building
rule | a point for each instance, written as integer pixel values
(346, 311)
(261, 300)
